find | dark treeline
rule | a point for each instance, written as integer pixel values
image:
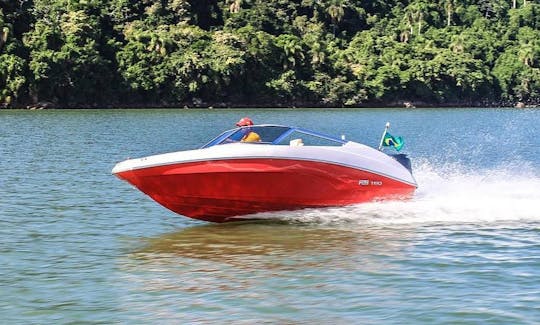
(92, 53)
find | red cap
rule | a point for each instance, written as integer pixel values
(246, 121)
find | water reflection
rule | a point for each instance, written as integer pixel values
(259, 270)
(279, 244)
(218, 241)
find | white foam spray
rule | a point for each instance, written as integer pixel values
(450, 193)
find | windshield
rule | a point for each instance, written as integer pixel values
(277, 135)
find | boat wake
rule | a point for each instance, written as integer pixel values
(446, 194)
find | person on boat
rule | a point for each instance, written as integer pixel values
(249, 135)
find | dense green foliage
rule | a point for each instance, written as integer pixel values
(85, 53)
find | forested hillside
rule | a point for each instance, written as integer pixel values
(106, 53)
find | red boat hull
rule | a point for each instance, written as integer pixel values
(217, 191)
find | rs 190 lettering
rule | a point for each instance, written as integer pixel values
(366, 182)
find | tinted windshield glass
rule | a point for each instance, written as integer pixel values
(276, 134)
(268, 134)
(308, 139)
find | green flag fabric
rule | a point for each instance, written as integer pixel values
(391, 141)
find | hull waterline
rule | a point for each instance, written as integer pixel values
(219, 190)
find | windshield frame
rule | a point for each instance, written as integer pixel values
(225, 137)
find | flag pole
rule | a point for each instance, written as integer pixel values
(383, 135)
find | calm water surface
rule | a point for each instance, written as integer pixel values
(78, 245)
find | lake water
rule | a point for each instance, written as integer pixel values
(78, 245)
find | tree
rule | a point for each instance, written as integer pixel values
(292, 50)
(517, 69)
(336, 11)
(449, 6)
(66, 63)
(415, 14)
(317, 52)
(526, 53)
(458, 43)
(11, 78)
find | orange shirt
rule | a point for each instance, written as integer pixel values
(251, 137)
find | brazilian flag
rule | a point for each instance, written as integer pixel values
(391, 141)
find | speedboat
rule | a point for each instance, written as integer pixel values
(290, 168)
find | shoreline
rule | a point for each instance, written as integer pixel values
(221, 105)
